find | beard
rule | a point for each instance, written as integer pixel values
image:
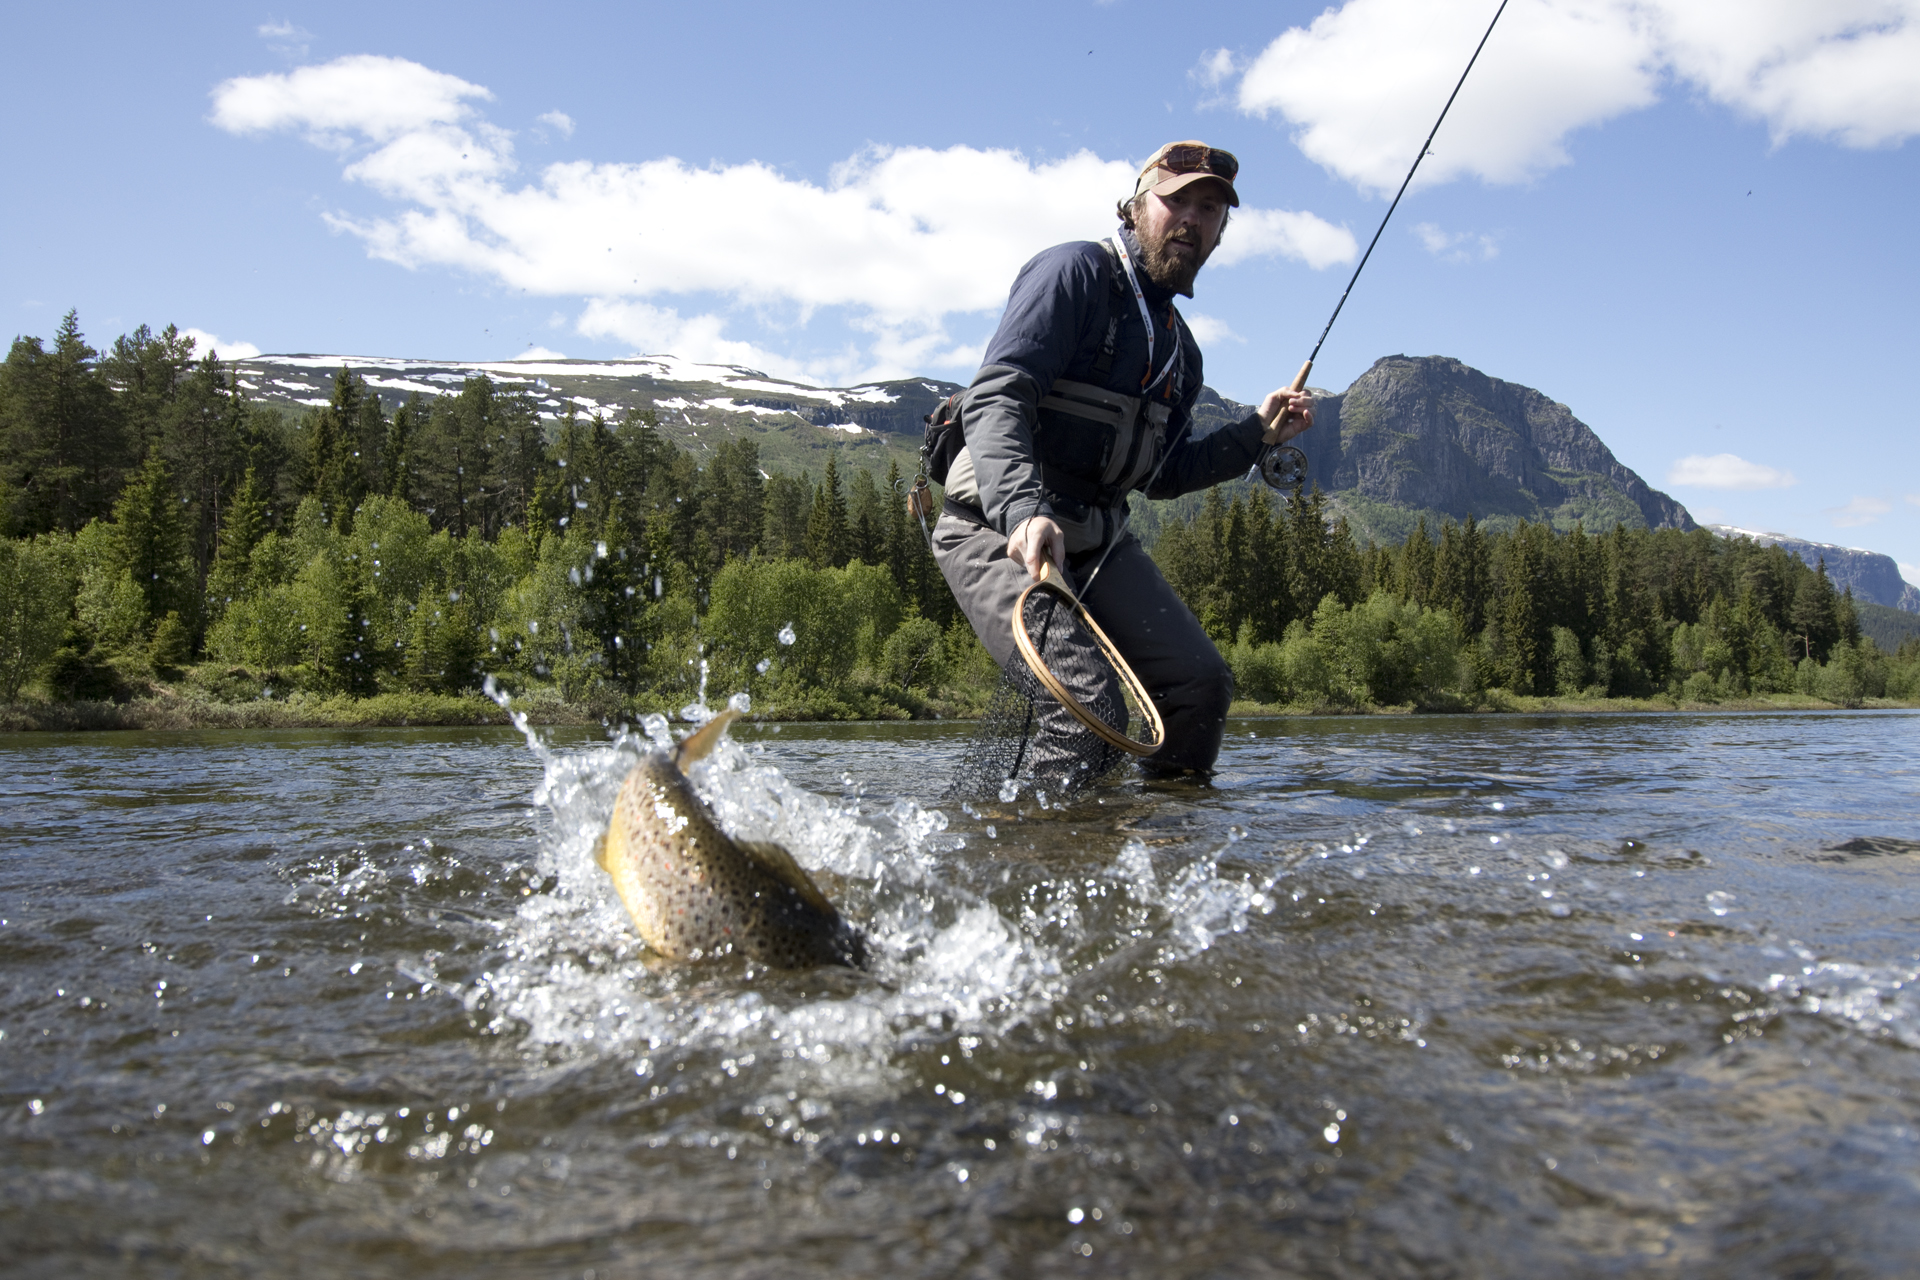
(1167, 267)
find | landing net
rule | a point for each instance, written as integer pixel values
(1067, 714)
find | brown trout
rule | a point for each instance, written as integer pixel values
(695, 892)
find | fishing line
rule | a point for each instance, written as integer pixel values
(1274, 458)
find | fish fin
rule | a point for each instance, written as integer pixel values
(781, 865)
(600, 852)
(697, 744)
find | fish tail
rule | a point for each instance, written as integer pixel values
(696, 746)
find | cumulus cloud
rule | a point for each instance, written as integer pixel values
(1363, 83)
(537, 352)
(1208, 329)
(1910, 573)
(901, 238)
(559, 120)
(204, 342)
(379, 99)
(1281, 233)
(1727, 471)
(1216, 68)
(1455, 246)
(1859, 511)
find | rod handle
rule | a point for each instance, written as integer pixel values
(1299, 384)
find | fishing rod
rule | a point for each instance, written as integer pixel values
(1282, 466)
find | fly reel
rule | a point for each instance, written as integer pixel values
(1283, 467)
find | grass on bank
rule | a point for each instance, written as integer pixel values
(214, 696)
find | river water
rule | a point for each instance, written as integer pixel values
(1513, 996)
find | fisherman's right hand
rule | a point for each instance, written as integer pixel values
(1035, 541)
(1285, 414)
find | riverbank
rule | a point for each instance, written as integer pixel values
(168, 708)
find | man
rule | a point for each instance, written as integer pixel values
(1085, 394)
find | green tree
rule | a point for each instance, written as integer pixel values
(153, 542)
(787, 502)
(64, 450)
(36, 594)
(240, 533)
(827, 542)
(1813, 616)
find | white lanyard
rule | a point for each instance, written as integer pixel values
(1146, 318)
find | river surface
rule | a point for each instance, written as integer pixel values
(1512, 996)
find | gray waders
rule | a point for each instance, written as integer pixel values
(1158, 635)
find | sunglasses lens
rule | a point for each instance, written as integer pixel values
(1192, 159)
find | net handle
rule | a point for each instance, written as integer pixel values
(1157, 732)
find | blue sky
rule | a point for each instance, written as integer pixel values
(1689, 220)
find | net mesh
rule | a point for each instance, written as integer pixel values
(1026, 738)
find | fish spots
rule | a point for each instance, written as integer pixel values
(692, 891)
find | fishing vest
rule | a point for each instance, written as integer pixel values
(1093, 445)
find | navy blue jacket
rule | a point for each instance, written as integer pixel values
(1054, 327)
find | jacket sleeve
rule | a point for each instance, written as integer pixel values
(1050, 313)
(1223, 454)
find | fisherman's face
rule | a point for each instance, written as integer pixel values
(1178, 231)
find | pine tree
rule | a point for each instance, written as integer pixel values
(65, 455)
(1523, 623)
(901, 537)
(1413, 574)
(866, 529)
(153, 540)
(826, 545)
(240, 533)
(785, 534)
(1814, 616)
(147, 372)
(397, 466)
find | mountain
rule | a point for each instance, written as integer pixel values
(1410, 437)
(1874, 577)
(1429, 436)
(698, 405)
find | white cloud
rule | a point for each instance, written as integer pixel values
(204, 342)
(902, 238)
(1455, 246)
(285, 38)
(1208, 329)
(560, 120)
(1727, 471)
(1859, 511)
(1910, 573)
(539, 353)
(1913, 499)
(1362, 85)
(1304, 237)
(1215, 69)
(381, 99)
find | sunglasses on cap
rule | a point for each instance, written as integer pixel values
(1191, 157)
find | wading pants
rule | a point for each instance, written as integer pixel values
(1160, 638)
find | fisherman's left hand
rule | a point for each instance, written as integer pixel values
(1285, 414)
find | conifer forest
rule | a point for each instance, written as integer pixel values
(164, 536)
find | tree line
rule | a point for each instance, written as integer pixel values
(155, 515)
(156, 522)
(1306, 614)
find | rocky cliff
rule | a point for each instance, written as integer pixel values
(1874, 578)
(1429, 436)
